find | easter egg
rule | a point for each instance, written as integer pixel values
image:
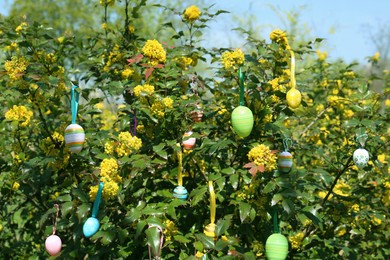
(210, 230)
(294, 98)
(189, 143)
(180, 192)
(276, 247)
(360, 158)
(53, 245)
(242, 121)
(197, 114)
(74, 137)
(285, 162)
(91, 226)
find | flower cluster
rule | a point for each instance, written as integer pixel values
(192, 13)
(127, 72)
(321, 55)
(279, 37)
(232, 58)
(19, 113)
(16, 67)
(127, 144)
(21, 27)
(262, 155)
(170, 230)
(107, 2)
(159, 106)
(296, 240)
(154, 51)
(110, 177)
(114, 57)
(146, 89)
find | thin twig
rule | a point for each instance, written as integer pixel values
(315, 120)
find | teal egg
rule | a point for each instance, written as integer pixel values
(91, 226)
(285, 162)
(276, 247)
(242, 121)
(180, 192)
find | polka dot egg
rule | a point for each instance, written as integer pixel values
(361, 157)
(74, 138)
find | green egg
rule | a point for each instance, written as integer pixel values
(242, 121)
(276, 247)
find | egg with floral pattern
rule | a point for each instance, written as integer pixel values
(361, 157)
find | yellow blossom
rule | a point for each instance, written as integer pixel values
(61, 39)
(19, 113)
(127, 72)
(267, 118)
(382, 158)
(280, 37)
(387, 102)
(274, 99)
(15, 186)
(21, 27)
(375, 221)
(145, 89)
(104, 26)
(232, 58)
(348, 113)
(375, 57)
(158, 109)
(107, 2)
(109, 167)
(341, 231)
(349, 74)
(168, 102)
(109, 147)
(16, 67)
(140, 128)
(127, 144)
(355, 207)
(154, 51)
(199, 254)
(131, 29)
(296, 240)
(262, 155)
(192, 13)
(342, 188)
(321, 55)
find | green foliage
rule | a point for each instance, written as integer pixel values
(327, 207)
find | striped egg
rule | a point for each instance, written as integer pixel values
(276, 247)
(285, 162)
(210, 230)
(242, 121)
(189, 143)
(180, 192)
(74, 138)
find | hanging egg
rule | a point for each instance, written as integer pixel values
(91, 226)
(294, 98)
(276, 247)
(210, 230)
(189, 143)
(74, 137)
(242, 121)
(361, 157)
(53, 245)
(285, 162)
(180, 192)
(197, 114)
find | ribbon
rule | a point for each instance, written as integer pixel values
(179, 170)
(292, 67)
(275, 220)
(56, 219)
(241, 76)
(74, 96)
(361, 139)
(96, 203)
(287, 142)
(212, 202)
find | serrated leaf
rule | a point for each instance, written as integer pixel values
(271, 185)
(276, 198)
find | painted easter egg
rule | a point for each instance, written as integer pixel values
(242, 121)
(74, 137)
(276, 247)
(180, 192)
(210, 230)
(361, 157)
(285, 162)
(91, 226)
(189, 143)
(294, 98)
(53, 245)
(197, 114)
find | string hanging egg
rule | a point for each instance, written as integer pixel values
(360, 155)
(53, 243)
(92, 225)
(285, 159)
(189, 142)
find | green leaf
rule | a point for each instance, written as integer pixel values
(223, 225)
(158, 149)
(65, 197)
(276, 198)
(244, 209)
(199, 246)
(208, 242)
(271, 185)
(66, 208)
(234, 180)
(153, 236)
(83, 210)
(181, 239)
(107, 237)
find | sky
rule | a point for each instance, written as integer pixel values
(345, 24)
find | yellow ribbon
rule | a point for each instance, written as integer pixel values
(292, 67)
(212, 202)
(179, 170)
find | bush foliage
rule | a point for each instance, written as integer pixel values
(137, 99)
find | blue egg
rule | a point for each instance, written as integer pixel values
(180, 192)
(91, 226)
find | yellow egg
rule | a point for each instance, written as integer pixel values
(294, 98)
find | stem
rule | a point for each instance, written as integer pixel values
(315, 120)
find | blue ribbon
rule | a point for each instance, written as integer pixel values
(74, 96)
(96, 204)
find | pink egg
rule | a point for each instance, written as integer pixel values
(53, 245)
(190, 142)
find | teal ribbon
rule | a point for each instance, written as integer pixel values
(287, 142)
(98, 198)
(241, 76)
(275, 220)
(74, 96)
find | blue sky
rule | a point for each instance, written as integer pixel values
(343, 23)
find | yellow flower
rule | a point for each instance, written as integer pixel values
(154, 51)
(131, 29)
(348, 113)
(127, 144)
(355, 207)
(340, 231)
(275, 85)
(61, 39)
(375, 57)
(232, 58)
(145, 89)
(342, 188)
(104, 26)
(140, 128)
(267, 118)
(382, 158)
(168, 102)
(127, 72)
(15, 186)
(387, 102)
(280, 37)
(19, 113)
(322, 194)
(262, 155)
(349, 74)
(296, 240)
(21, 27)
(107, 2)
(109, 167)
(274, 99)
(109, 147)
(16, 67)
(158, 109)
(321, 55)
(199, 254)
(192, 13)
(376, 221)
(110, 189)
